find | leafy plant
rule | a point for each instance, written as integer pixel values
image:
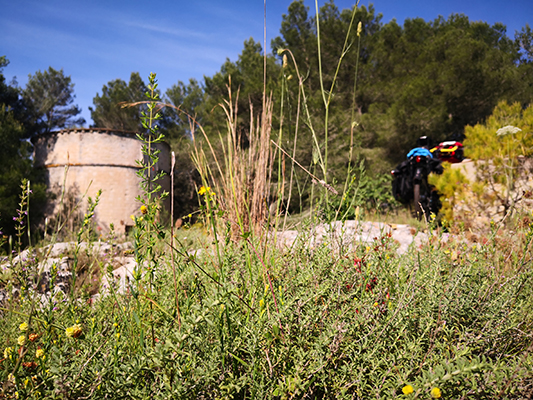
(501, 152)
(364, 193)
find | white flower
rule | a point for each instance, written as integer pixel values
(506, 130)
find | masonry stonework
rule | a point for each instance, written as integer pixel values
(85, 160)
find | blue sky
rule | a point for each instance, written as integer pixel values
(96, 41)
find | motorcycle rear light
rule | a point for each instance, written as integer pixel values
(418, 158)
(392, 173)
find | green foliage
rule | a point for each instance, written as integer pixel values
(50, 97)
(451, 185)
(245, 79)
(108, 111)
(501, 150)
(423, 78)
(15, 151)
(363, 194)
(190, 99)
(444, 316)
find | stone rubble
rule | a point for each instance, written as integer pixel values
(351, 233)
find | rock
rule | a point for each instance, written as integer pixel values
(351, 233)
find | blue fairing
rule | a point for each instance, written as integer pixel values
(420, 151)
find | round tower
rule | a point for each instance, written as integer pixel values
(82, 161)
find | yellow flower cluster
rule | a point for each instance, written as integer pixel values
(8, 351)
(39, 353)
(435, 392)
(73, 331)
(23, 327)
(21, 340)
(204, 190)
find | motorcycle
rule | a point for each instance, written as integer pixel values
(410, 184)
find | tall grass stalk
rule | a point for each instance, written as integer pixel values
(327, 95)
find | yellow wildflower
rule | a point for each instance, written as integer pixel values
(359, 28)
(11, 378)
(144, 209)
(39, 353)
(118, 335)
(21, 340)
(8, 351)
(435, 393)
(73, 331)
(204, 190)
(408, 389)
(23, 327)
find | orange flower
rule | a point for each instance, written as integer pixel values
(33, 337)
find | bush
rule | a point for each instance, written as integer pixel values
(501, 151)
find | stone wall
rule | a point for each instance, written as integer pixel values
(86, 160)
(478, 214)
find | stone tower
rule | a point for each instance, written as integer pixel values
(85, 160)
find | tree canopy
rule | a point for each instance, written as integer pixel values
(15, 162)
(50, 97)
(108, 111)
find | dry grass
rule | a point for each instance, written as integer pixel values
(241, 176)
